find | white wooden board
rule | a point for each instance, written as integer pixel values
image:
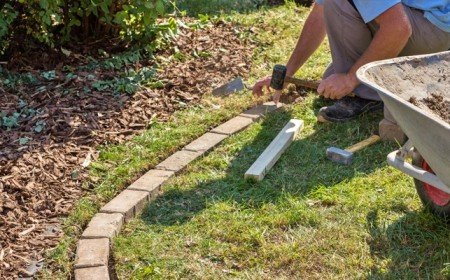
(275, 149)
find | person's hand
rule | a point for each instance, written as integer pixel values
(261, 86)
(264, 85)
(337, 86)
(276, 96)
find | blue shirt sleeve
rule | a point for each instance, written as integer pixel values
(371, 9)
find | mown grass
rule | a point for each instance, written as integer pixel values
(309, 219)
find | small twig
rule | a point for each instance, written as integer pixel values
(27, 231)
(22, 258)
(119, 132)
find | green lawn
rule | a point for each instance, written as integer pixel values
(309, 219)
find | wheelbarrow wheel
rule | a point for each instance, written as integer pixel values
(437, 201)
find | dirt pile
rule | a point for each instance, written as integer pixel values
(423, 82)
(42, 156)
(439, 105)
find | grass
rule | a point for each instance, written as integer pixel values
(309, 218)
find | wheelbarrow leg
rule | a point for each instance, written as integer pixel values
(397, 160)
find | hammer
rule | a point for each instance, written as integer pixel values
(346, 156)
(279, 77)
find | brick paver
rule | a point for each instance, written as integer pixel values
(104, 225)
(151, 181)
(92, 273)
(390, 131)
(259, 111)
(234, 125)
(92, 252)
(206, 142)
(128, 202)
(178, 161)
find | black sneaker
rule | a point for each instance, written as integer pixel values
(348, 108)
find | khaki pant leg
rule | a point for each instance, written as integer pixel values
(349, 38)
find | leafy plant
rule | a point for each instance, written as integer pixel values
(11, 80)
(129, 82)
(10, 121)
(7, 16)
(57, 22)
(39, 126)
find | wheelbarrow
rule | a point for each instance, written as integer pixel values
(400, 82)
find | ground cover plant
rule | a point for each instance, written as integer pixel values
(309, 219)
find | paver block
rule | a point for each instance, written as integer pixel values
(128, 203)
(206, 142)
(92, 273)
(151, 181)
(178, 161)
(390, 131)
(104, 225)
(234, 125)
(92, 252)
(259, 111)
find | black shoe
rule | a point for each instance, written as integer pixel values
(348, 108)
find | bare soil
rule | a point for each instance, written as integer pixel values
(424, 83)
(42, 177)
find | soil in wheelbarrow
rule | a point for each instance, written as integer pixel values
(424, 84)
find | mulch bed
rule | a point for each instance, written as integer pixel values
(42, 173)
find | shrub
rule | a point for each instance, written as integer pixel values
(57, 22)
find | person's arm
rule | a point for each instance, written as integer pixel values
(391, 37)
(311, 37)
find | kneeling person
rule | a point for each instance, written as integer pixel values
(363, 31)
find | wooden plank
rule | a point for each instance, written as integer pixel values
(274, 151)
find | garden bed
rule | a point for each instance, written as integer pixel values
(53, 122)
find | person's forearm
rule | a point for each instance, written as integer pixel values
(310, 39)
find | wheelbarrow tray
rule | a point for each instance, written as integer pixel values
(428, 132)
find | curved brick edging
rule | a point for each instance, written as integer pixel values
(93, 248)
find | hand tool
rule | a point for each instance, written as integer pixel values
(346, 156)
(279, 78)
(231, 87)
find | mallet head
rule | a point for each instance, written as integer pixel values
(278, 76)
(339, 155)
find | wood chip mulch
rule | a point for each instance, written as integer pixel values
(42, 173)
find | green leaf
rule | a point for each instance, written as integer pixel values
(24, 140)
(65, 51)
(160, 7)
(49, 75)
(39, 126)
(43, 4)
(105, 8)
